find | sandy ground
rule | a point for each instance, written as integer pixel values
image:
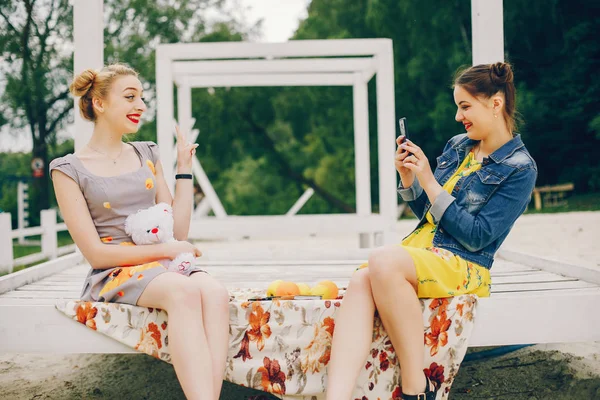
(562, 371)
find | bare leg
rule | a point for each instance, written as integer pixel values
(352, 337)
(393, 281)
(188, 346)
(215, 311)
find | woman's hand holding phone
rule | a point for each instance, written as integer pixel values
(406, 175)
(416, 161)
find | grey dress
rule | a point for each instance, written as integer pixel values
(110, 201)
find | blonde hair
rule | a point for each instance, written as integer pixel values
(93, 83)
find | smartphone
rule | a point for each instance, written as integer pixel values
(403, 128)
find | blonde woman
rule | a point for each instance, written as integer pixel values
(99, 186)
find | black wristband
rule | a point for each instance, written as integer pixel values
(183, 176)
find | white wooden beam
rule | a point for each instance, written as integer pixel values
(184, 107)
(202, 209)
(22, 207)
(576, 271)
(386, 140)
(49, 237)
(88, 42)
(6, 243)
(362, 163)
(37, 272)
(164, 115)
(547, 317)
(300, 202)
(22, 335)
(208, 189)
(191, 68)
(292, 48)
(487, 31)
(258, 80)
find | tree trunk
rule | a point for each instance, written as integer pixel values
(39, 196)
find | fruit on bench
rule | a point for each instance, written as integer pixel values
(304, 289)
(326, 289)
(331, 290)
(319, 290)
(273, 288)
(287, 289)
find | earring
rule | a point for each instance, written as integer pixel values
(495, 115)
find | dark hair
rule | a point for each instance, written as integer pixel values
(488, 79)
(92, 83)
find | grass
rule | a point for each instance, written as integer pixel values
(24, 250)
(576, 202)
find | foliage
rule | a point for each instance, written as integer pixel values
(263, 147)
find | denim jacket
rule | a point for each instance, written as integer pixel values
(475, 219)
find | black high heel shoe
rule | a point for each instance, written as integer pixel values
(429, 393)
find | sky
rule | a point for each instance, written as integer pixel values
(280, 20)
(280, 17)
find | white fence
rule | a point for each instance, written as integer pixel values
(48, 230)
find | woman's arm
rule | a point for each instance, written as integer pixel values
(416, 198)
(76, 214)
(184, 188)
(506, 204)
(182, 204)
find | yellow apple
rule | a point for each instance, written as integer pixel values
(273, 287)
(287, 289)
(319, 290)
(331, 289)
(304, 289)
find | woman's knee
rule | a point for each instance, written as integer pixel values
(385, 262)
(211, 290)
(360, 280)
(170, 290)
(185, 294)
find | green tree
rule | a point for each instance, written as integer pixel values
(36, 70)
(35, 46)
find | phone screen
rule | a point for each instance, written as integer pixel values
(403, 127)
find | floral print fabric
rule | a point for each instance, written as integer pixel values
(283, 346)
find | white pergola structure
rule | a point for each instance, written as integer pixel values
(351, 62)
(527, 295)
(293, 63)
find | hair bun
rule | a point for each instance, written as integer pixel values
(501, 73)
(83, 82)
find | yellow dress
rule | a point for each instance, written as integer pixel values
(441, 273)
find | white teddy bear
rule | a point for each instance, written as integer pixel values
(155, 225)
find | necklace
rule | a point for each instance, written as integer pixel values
(114, 160)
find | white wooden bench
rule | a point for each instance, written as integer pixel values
(533, 300)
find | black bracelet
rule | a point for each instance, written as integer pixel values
(183, 176)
